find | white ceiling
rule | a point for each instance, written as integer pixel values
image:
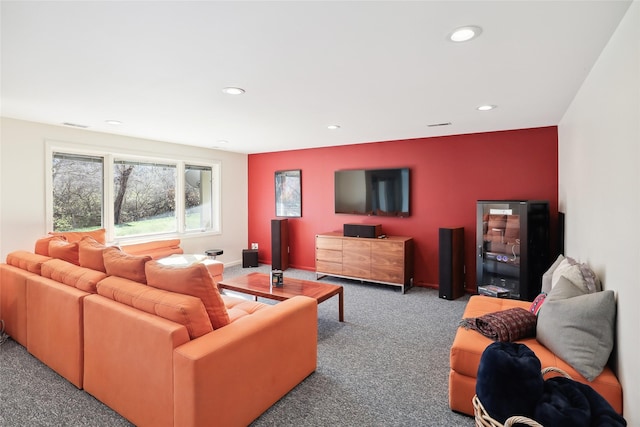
(381, 70)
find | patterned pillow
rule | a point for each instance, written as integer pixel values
(537, 303)
(579, 274)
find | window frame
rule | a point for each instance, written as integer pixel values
(109, 156)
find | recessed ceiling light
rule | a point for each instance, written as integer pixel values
(222, 141)
(113, 122)
(233, 90)
(465, 33)
(486, 107)
(333, 127)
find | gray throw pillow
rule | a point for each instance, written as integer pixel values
(546, 277)
(564, 289)
(578, 327)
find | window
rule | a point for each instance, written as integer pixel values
(128, 196)
(198, 197)
(145, 198)
(78, 183)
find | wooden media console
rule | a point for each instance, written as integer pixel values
(387, 260)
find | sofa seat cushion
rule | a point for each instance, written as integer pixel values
(238, 308)
(72, 275)
(118, 263)
(193, 280)
(183, 309)
(27, 261)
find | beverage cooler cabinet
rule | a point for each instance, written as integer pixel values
(512, 245)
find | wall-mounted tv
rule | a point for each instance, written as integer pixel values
(383, 192)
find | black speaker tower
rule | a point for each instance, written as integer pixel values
(279, 244)
(451, 263)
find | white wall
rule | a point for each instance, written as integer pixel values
(599, 188)
(22, 184)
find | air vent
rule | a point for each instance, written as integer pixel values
(75, 125)
(433, 125)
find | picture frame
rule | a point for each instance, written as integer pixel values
(288, 185)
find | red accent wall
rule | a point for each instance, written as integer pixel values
(448, 175)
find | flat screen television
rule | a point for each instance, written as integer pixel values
(382, 192)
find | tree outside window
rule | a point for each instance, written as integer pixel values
(144, 195)
(77, 192)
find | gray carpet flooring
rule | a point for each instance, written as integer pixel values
(386, 365)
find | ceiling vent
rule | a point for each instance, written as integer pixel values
(75, 125)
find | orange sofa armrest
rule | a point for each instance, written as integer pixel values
(55, 326)
(235, 373)
(128, 360)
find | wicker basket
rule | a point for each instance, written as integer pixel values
(483, 419)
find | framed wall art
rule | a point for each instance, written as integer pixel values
(289, 193)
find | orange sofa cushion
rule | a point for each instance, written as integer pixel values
(238, 307)
(27, 261)
(183, 309)
(76, 236)
(64, 250)
(118, 263)
(156, 249)
(90, 254)
(82, 278)
(42, 244)
(192, 280)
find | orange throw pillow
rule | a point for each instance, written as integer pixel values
(193, 280)
(117, 263)
(76, 236)
(42, 244)
(64, 250)
(90, 254)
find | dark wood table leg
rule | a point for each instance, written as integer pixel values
(341, 305)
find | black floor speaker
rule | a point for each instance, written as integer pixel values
(451, 263)
(279, 244)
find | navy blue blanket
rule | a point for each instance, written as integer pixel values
(568, 403)
(510, 382)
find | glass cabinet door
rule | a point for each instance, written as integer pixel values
(498, 245)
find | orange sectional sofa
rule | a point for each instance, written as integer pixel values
(157, 343)
(468, 346)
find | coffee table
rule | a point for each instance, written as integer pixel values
(259, 285)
